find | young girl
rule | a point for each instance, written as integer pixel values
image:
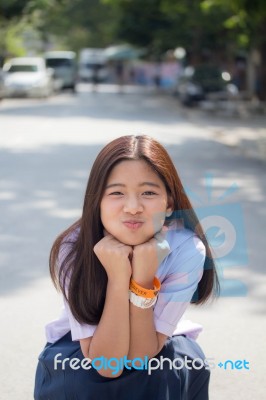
(128, 270)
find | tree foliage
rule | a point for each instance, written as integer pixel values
(212, 23)
(156, 24)
(12, 8)
(69, 24)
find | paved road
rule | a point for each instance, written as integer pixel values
(46, 151)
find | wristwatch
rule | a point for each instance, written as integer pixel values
(142, 302)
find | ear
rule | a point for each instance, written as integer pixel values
(170, 207)
(169, 213)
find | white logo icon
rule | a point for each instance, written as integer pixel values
(226, 228)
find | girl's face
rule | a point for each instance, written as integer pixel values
(134, 203)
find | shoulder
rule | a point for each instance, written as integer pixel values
(187, 251)
(180, 238)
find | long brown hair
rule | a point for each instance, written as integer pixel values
(88, 279)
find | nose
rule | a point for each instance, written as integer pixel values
(133, 205)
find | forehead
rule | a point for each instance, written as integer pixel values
(135, 170)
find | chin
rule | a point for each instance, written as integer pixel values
(131, 241)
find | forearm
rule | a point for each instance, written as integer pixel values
(144, 340)
(111, 338)
(143, 337)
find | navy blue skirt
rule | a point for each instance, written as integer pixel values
(170, 381)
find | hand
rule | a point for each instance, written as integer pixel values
(147, 257)
(114, 257)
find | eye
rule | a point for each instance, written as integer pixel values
(149, 193)
(115, 194)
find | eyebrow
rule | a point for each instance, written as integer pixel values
(140, 185)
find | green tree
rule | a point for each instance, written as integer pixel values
(163, 24)
(12, 26)
(76, 23)
(12, 8)
(68, 24)
(247, 21)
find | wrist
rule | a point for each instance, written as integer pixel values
(143, 281)
(118, 283)
(144, 291)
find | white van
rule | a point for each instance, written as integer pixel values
(93, 65)
(64, 65)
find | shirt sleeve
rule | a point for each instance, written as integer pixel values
(78, 330)
(181, 282)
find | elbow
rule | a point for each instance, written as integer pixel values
(85, 354)
(99, 366)
(104, 368)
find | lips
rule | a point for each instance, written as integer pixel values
(133, 224)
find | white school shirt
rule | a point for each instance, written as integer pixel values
(179, 274)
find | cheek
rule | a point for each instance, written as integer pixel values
(158, 217)
(108, 211)
(160, 204)
(158, 224)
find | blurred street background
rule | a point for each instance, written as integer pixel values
(77, 74)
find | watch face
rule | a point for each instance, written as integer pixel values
(141, 302)
(148, 302)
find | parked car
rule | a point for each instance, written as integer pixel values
(93, 65)
(197, 82)
(65, 68)
(27, 76)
